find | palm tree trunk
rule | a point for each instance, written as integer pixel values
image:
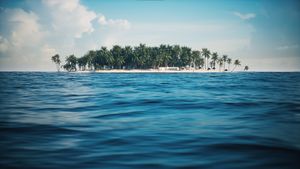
(233, 68)
(58, 67)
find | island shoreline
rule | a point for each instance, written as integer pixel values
(152, 71)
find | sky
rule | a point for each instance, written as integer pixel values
(262, 34)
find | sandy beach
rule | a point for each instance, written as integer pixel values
(151, 71)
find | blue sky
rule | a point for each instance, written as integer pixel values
(262, 34)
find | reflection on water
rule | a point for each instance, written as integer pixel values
(205, 120)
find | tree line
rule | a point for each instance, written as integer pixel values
(145, 57)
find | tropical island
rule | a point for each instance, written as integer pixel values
(165, 58)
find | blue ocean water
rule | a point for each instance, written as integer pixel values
(192, 120)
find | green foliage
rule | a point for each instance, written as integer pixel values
(56, 59)
(220, 62)
(145, 57)
(71, 62)
(225, 57)
(186, 56)
(214, 59)
(229, 62)
(206, 54)
(236, 63)
(119, 59)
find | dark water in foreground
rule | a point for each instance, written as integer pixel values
(205, 120)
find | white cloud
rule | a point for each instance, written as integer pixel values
(287, 47)
(68, 6)
(48, 51)
(29, 38)
(119, 23)
(246, 16)
(4, 44)
(21, 44)
(23, 26)
(70, 17)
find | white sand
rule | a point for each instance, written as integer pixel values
(152, 71)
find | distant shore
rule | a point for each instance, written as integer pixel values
(151, 71)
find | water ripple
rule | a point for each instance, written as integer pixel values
(200, 120)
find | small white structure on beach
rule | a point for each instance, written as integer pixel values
(168, 68)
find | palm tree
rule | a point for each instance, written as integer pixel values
(246, 68)
(175, 55)
(220, 62)
(128, 54)
(211, 64)
(103, 59)
(195, 56)
(141, 55)
(164, 54)
(154, 60)
(229, 62)
(214, 58)
(98, 59)
(135, 58)
(200, 62)
(236, 63)
(119, 60)
(56, 60)
(90, 57)
(224, 60)
(71, 62)
(169, 53)
(186, 56)
(108, 57)
(81, 63)
(206, 53)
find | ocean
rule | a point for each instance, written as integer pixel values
(143, 120)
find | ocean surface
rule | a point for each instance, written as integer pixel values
(115, 120)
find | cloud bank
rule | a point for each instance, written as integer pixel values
(29, 38)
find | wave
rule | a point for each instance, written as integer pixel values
(79, 120)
